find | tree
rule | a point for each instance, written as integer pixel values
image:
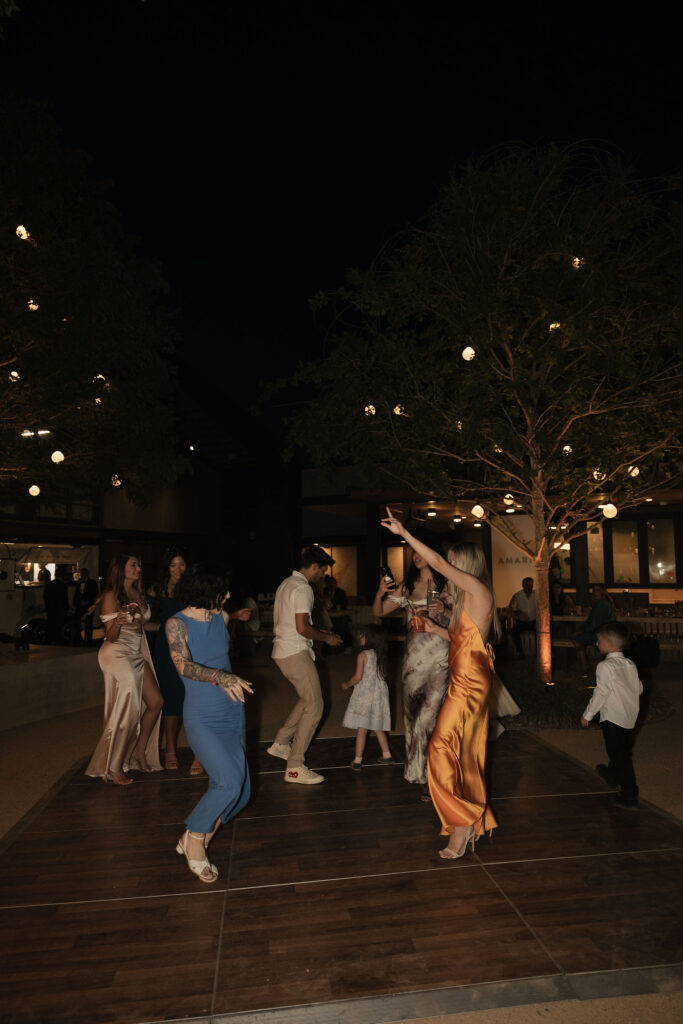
(521, 347)
(85, 344)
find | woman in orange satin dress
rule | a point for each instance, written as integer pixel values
(457, 751)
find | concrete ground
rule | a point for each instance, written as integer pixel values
(34, 758)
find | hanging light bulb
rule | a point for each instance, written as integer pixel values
(191, 447)
(370, 410)
(457, 519)
(458, 424)
(497, 448)
(99, 376)
(598, 474)
(57, 456)
(577, 262)
(510, 511)
(32, 305)
(14, 376)
(28, 433)
(34, 490)
(477, 525)
(468, 354)
(399, 410)
(431, 513)
(633, 471)
(98, 401)
(22, 233)
(43, 433)
(478, 512)
(554, 326)
(567, 450)
(116, 480)
(609, 511)
(509, 499)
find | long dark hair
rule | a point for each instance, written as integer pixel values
(412, 573)
(204, 585)
(375, 640)
(116, 578)
(165, 570)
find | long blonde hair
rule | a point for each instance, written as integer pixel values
(470, 558)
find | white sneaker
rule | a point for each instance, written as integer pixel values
(303, 775)
(282, 750)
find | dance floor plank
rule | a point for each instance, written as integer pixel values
(327, 892)
(365, 937)
(602, 913)
(111, 963)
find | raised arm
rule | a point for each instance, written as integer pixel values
(463, 580)
(176, 634)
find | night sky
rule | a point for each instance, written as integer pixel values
(259, 149)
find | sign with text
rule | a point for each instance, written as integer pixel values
(508, 563)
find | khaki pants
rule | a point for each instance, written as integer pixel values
(303, 719)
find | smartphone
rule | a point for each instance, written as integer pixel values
(386, 574)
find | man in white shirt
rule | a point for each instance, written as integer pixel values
(523, 604)
(294, 655)
(617, 698)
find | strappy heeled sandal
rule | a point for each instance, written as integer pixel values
(468, 838)
(197, 867)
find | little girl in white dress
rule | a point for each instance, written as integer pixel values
(369, 705)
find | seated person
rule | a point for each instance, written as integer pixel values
(601, 612)
(523, 606)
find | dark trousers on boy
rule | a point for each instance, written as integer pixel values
(619, 743)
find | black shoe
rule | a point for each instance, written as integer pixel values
(356, 766)
(387, 760)
(603, 772)
(627, 805)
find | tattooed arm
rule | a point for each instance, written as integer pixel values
(176, 634)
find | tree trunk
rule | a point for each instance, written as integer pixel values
(544, 651)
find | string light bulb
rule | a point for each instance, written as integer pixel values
(14, 376)
(32, 305)
(598, 474)
(458, 424)
(577, 262)
(22, 233)
(554, 325)
(633, 471)
(567, 449)
(28, 433)
(509, 499)
(609, 511)
(510, 511)
(399, 410)
(457, 519)
(34, 490)
(57, 457)
(370, 410)
(478, 512)
(431, 513)
(468, 354)
(497, 448)
(116, 480)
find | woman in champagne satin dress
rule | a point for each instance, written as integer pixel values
(132, 698)
(457, 751)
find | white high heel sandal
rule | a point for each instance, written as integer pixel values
(197, 867)
(467, 839)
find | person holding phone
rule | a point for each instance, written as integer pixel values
(132, 698)
(424, 671)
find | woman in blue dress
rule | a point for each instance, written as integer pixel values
(213, 710)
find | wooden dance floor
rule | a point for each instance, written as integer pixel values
(332, 903)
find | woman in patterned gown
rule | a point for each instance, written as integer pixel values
(424, 672)
(457, 751)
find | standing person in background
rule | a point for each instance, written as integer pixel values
(457, 751)
(424, 671)
(294, 655)
(602, 611)
(56, 606)
(523, 606)
(132, 698)
(85, 596)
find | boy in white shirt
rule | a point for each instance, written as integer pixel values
(617, 698)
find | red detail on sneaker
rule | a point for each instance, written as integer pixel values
(292, 775)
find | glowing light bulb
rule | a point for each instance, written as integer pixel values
(577, 262)
(633, 471)
(99, 376)
(554, 326)
(399, 410)
(510, 511)
(567, 450)
(191, 447)
(457, 519)
(458, 424)
(553, 527)
(34, 490)
(14, 376)
(478, 512)
(57, 456)
(32, 305)
(98, 401)
(116, 480)
(370, 410)
(431, 514)
(22, 233)
(609, 511)
(509, 499)
(598, 474)
(468, 354)
(43, 433)
(497, 448)
(477, 525)
(649, 499)
(28, 433)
